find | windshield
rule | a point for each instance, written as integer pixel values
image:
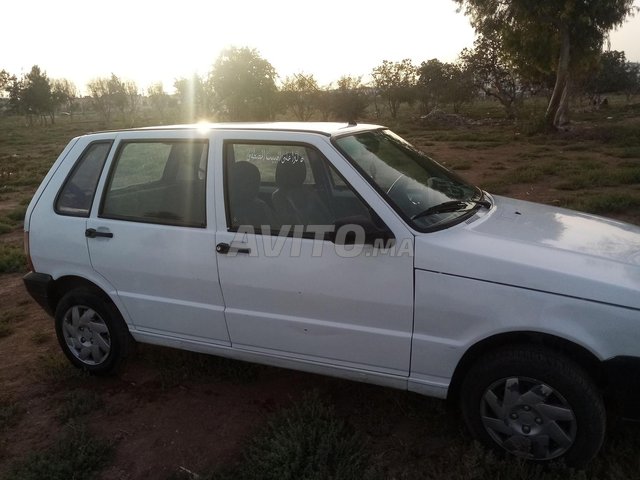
(425, 193)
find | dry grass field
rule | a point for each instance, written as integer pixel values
(177, 415)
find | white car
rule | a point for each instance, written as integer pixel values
(342, 250)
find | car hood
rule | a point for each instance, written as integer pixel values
(542, 248)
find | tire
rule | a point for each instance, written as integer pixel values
(91, 332)
(534, 403)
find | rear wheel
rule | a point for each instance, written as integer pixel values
(534, 403)
(91, 332)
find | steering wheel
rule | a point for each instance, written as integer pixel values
(447, 187)
(399, 193)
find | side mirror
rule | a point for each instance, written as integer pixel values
(361, 230)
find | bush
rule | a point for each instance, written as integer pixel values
(12, 259)
(77, 454)
(305, 441)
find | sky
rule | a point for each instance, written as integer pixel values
(150, 41)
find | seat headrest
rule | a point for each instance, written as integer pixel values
(244, 181)
(290, 171)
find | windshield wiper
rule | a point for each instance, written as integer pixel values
(451, 206)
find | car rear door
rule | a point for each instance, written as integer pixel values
(149, 235)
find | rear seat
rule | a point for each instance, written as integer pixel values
(181, 203)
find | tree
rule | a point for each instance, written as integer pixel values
(431, 84)
(35, 97)
(63, 93)
(194, 95)
(112, 93)
(349, 99)
(244, 85)
(158, 99)
(5, 80)
(494, 73)
(300, 95)
(131, 104)
(101, 93)
(612, 74)
(325, 102)
(394, 81)
(560, 36)
(14, 89)
(440, 82)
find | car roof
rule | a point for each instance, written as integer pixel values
(324, 128)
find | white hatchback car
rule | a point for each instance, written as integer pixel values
(342, 250)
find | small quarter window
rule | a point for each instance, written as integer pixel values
(158, 182)
(76, 196)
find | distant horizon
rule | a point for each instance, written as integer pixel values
(150, 42)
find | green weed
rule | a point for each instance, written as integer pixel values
(306, 441)
(5, 328)
(39, 338)
(17, 215)
(78, 403)
(76, 454)
(628, 152)
(604, 203)
(12, 259)
(55, 367)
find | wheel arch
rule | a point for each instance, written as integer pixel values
(585, 358)
(62, 285)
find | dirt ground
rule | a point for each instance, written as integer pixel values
(195, 423)
(160, 420)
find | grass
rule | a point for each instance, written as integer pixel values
(76, 454)
(39, 338)
(56, 368)
(12, 259)
(6, 318)
(178, 366)
(17, 215)
(78, 403)
(305, 441)
(604, 203)
(5, 328)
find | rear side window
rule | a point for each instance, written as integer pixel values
(76, 195)
(158, 181)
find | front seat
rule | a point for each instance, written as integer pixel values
(294, 202)
(245, 206)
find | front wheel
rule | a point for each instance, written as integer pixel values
(91, 332)
(534, 403)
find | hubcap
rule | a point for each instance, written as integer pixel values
(528, 418)
(86, 334)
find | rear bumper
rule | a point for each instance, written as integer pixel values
(623, 385)
(39, 286)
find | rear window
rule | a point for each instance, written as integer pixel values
(76, 195)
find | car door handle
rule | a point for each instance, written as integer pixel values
(93, 233)
(225, 248)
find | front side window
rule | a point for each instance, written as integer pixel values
(425, 193)
(76, 195)
(282, 187)
(158, 182)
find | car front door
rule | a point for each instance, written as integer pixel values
(289, 290)
(148, 235)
